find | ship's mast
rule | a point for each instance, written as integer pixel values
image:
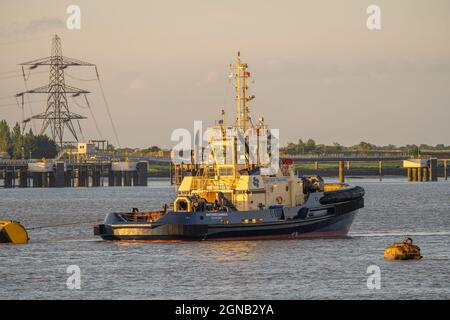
(241, 75)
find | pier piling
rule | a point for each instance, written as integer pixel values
(341, 172)
(111, 179)
(23, 178)
(433, 169)
(425, 174)
(51, 179)
(60, 175)
(118, 178)
(142, 173)
(414, 174)
(135, 179)
(96, 177)
(37, 180)
(127, 178)
(69, 178)
(63, 173)
(8, 178)
(445, 169)
(380, 168)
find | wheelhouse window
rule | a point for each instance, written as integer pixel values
(226, 171)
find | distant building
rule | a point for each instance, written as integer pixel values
(85, 148)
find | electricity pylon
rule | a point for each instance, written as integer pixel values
(57, 115)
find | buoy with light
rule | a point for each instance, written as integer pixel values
(404, 250)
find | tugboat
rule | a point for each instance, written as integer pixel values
(234, 193)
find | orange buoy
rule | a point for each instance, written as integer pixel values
(402, 251)
(12, 232)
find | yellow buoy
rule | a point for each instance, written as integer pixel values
(12, 232)
(402, 250)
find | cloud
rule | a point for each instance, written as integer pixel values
(368, 69)
(44, 24)
(31, 27)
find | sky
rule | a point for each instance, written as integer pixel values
(318, 71)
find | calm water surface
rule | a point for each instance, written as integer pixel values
(291, 269)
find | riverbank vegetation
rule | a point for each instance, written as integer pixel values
(309, 146)
(18, 145)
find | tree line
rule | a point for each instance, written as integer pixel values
(310, 147)
(20, 145)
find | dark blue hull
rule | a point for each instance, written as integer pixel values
(332, 220)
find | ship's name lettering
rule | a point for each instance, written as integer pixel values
(277, 180)
(220, 214)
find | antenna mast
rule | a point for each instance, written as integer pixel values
(241, 75)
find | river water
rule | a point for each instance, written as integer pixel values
(290, 269)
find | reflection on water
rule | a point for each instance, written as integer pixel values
(400, 233)
(291, 269)
(226, 251)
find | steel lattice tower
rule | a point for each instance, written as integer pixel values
(57, 115)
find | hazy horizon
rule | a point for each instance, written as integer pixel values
(319, 72)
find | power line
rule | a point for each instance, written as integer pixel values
(20, 75)
(93, 118)
(23, 111)
(7, 97)
(15, 104)
(88, 106)
(79, 79)
(77, 104)
(33, 123)
(105, 102)
(8, 72)
(11, 77)
(81, 131)
(107, 108)
(17, 73)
